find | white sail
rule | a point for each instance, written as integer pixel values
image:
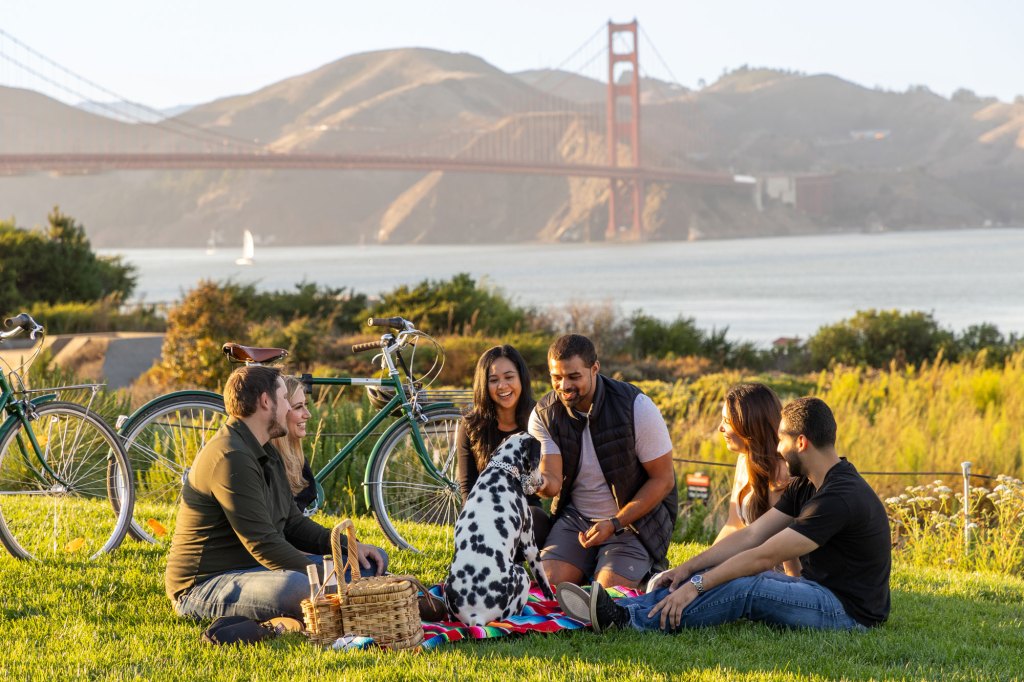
(248, 250)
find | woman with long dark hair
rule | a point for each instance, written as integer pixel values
(750, 427)
(502, 403)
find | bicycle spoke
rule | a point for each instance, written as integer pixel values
(162, 443)
(63, 509)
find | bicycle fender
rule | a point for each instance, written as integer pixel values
(383, 438)
(191, 393)
(11, 421)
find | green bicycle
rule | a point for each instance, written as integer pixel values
(65, 482)
(409, 476)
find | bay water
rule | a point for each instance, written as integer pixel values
(760, 289)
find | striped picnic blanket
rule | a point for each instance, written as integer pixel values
(539, 615)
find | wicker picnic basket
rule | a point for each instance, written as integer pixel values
(382, 607)
(322, 615)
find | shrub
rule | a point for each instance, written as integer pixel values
(652, 337)
(191, 354)
(877, 338)
(106, 315)
(455, 306)
(985, 342)
(600, 322)
(57, 265)
(335, 310)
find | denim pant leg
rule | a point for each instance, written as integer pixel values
(256, 593)
(769, 597)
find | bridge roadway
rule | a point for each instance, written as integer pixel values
(83, 163)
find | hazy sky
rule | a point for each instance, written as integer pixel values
(192, 51)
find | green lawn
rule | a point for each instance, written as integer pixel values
(110, 620)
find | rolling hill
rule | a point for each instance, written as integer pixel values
(903, 160)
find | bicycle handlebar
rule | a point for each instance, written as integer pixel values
(23, 322)
(399, 323)
(363, 347)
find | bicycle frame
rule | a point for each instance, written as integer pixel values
(17, 414)
(410, 414)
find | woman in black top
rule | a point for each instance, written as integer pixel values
(502, 403)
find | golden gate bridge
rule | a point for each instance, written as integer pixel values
(523, 142)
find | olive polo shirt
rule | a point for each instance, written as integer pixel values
(237, 512)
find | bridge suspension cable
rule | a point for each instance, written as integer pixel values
(153, 117)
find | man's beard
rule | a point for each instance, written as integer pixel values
(796, 469)
(275, 428)
(579, 395)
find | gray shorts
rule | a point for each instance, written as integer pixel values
(623, 554)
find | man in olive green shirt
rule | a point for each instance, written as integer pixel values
(241, 546)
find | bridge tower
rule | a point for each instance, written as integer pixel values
(625, 197)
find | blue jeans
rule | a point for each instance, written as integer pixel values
(770, 597)
(257, 593)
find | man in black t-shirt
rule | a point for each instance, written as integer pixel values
(828, 516)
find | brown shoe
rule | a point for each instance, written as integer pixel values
(433, 609)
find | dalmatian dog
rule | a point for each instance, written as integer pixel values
(484, 581)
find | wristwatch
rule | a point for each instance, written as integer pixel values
(698, 582)
(617, 525)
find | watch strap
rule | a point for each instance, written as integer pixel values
(698, 582)
(617, 525)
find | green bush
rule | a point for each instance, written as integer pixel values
(57, 265)
(337, 310)
(985, 341)
(455, 306)
(191, 355)
(652, 337)
(876, 338)
(106, 315)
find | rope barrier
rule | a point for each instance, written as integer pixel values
(863, 473)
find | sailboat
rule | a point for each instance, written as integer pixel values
(248, 250)
(211, 243)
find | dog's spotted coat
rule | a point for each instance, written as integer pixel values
(484, 583)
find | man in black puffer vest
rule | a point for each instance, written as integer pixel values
(607, 462)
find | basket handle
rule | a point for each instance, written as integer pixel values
(351, 556)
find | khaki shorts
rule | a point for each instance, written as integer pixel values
(622, 554)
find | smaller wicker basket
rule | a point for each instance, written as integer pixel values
(322, 615)
(382, 607)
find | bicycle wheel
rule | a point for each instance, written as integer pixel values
(404, 493)
(162, 443)
(72, 507)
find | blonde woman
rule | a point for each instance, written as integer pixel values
(300, 475)
(296, 467)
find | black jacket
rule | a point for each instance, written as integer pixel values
(612, 430)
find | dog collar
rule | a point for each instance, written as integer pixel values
(504, 466)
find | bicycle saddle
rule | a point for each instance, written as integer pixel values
(236, 352)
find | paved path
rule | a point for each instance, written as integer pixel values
(115, 358)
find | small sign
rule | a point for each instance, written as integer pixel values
(697, 486)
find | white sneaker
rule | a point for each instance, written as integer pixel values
(574, 600)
